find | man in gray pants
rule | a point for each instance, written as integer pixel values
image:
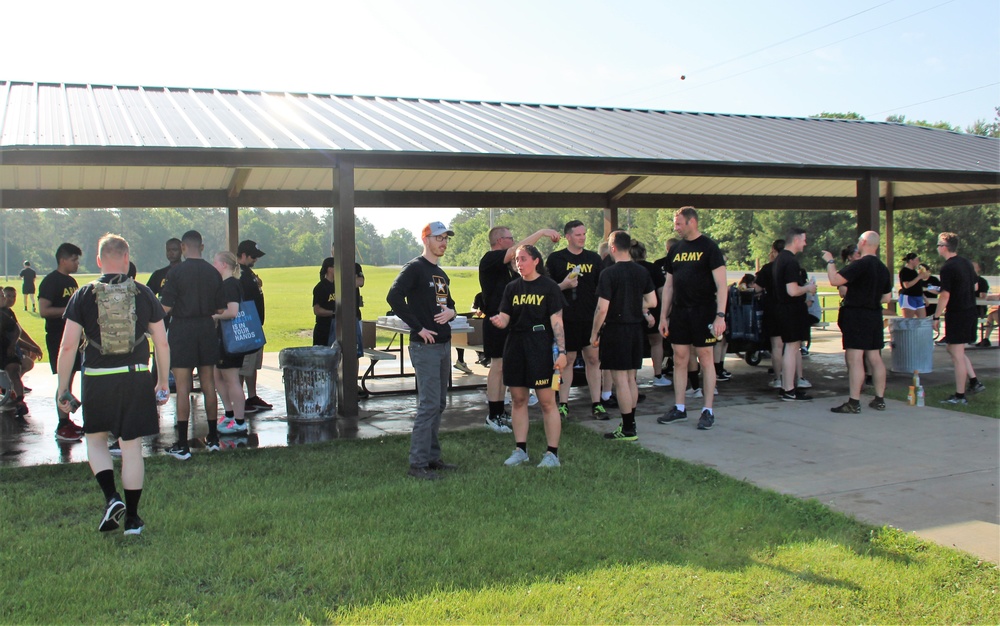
(421, 297)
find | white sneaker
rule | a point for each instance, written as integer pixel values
(804, 384)
(532, 398)
(662, 381)
(775, 383)
(516, 457)
(462, 367)
(693, 393)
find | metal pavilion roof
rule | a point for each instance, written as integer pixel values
(98, 145)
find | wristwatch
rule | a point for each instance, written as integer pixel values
(561, 352)
(831, 261)
(719, 314)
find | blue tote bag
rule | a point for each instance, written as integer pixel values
(243, 334)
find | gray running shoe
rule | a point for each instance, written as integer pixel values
(517, 457)
(548, 460)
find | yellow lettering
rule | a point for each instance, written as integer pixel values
(68, 291)
(331, 298)
(684, 257)
(541, 382)
(527, 298)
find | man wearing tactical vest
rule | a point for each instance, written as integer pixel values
(113, 316)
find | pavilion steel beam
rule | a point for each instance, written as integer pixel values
(249, 158)
(347, 301)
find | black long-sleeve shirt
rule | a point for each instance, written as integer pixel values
(419, 293)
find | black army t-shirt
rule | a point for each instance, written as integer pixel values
(867, 280)
(581, 300)
(57, 289)
(690, 263)
(494, 275)
(623, 285)
(531, 303)
(787, 270)
(193, 289)
(82, 309)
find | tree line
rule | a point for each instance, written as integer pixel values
(301, 238)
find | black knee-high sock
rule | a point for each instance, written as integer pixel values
(132, 501)
(213, 429)
(181, 428)
(106, 479)
(523, 445)
(496, 408)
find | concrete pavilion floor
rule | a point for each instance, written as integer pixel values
(930, 471)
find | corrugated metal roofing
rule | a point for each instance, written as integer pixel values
(36, 114)
(95, 119)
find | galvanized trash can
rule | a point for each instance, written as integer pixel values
(912, 345)
(310, 377)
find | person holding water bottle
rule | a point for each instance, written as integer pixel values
(531, 309)
(119, 393)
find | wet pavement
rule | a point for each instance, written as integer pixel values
(929, 470)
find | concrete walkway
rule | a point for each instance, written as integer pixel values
(927, 470)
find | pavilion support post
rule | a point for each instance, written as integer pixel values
(610, 221)
(890, 218)
(232, 227)
(868, 203)
(347, 334)
(236, 184)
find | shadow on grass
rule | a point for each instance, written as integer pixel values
(278, 535)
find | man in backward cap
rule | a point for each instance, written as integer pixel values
(247, 254)
(421, 297)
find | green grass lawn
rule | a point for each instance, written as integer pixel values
(986, 403)
(288, 294)
(335, 532)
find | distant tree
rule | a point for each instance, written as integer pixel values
(851, 115)
(400, 246)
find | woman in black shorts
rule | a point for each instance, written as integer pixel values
(227, 370)
(532, 308)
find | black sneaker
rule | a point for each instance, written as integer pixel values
(423, 473)
(723, 375)
(675, 415)
(954, 399)
(878, 404)
(113, 514)
(115, 449)
(212, 444)
(847, 407)
(979, 388)
(621, 435)
(706, 421)
(600, 413)
(441, 465)
(134, 525)
(179, 451)
(610, 403)
(793, 396)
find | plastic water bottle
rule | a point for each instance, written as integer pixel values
(556, 377)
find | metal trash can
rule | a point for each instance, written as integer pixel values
(310, 376)
(912, 345)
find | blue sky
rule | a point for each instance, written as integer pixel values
(925, 59)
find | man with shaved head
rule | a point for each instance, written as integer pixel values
(869, 286)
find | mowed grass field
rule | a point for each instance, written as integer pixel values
(288, 295)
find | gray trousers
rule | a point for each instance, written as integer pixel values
(432, 365)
